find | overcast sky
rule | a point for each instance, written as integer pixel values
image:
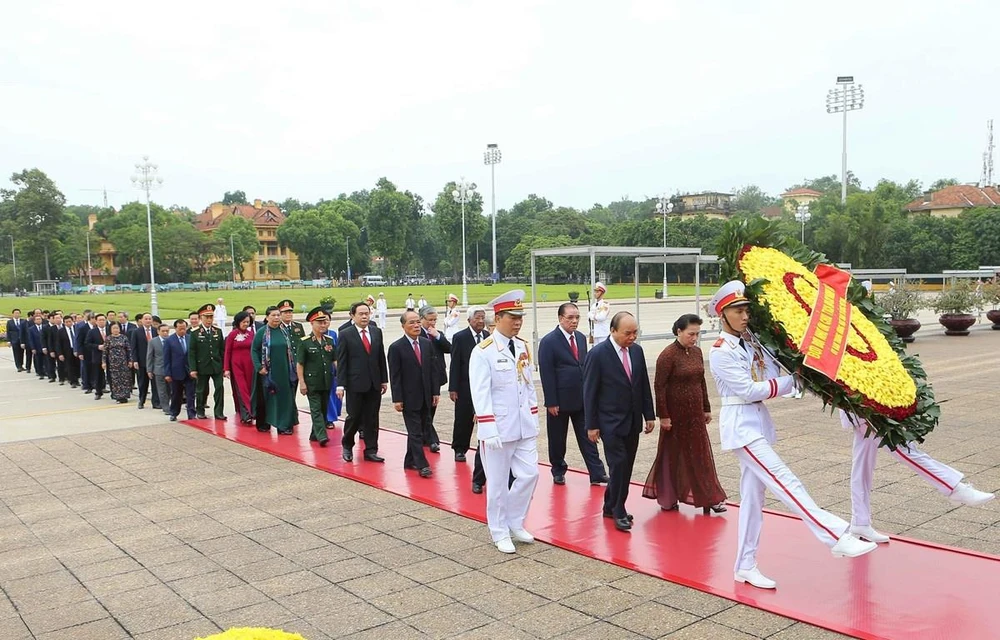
(589, 101)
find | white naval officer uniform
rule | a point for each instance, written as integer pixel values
(937, 474)
(600, 315)
(381, 311)
(451, 319)
(506, 405)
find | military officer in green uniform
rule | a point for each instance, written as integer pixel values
(205, 361)
(315, 357)
(293, 330)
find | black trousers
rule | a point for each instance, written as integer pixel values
(416, 421)
(40, 368)
(28, 359)
(429, 433)
(557, 429)
(69, 370)
(362, 415)
(84, 374)
(142, 381)
(50, 366)
(18, 355)
(620, 453)
(461, 430)
(182, 388)
(97, 378)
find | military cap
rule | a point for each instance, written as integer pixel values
(317, 313)
(731, 294)
(206, 308)
(286, 305)
(510, 302)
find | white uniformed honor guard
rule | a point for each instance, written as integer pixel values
(503, 394)
(599, 315)
(746, 375)
(452, 317)
(381, 311)
(946, 480)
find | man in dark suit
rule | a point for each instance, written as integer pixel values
(49, 344)
(177, 370)
(154, 369)
(415, 387)
(127, 327)
(95, 354)
(561, 355)
(617, 398)
(458, 385)
(66, 359)
(83, 357)
(16, 327)
(36, 343)
(29, 357)
(139, 339)
(361, 370)
(255, 324)
(428, 329)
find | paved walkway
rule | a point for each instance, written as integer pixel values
(147, 529)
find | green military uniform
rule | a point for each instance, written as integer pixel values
(205, 355)
(316, 358)
(293, 330)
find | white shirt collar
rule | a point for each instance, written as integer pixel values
(566, 336)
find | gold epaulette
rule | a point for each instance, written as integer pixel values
(485, 343)
(304, 338)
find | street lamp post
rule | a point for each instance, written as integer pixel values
(348, 260)
(802, 216)
(232, 254)
(663, 207)
(13, 261)
(147, 180)
(492, 158)
(464, 192)
(847, 98)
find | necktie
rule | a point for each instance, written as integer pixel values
(627, 363)
(510, 346)
(573, 348)
(479, 337)
(149, 336)
(364, 341)
(743, 344)
(184, 345)
(416, 351)
(69, 332)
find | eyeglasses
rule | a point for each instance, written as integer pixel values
(576, 317)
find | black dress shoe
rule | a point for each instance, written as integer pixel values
(602, 480)
(220, 417)
(173, 418)
(623, 524)
(200, 416)
(435, 447)
(477, 488)
(156, 406)
(330, 425)
(263, 429)
(608, 514)
(426, 472)
(62, 383)
(559, 479)
(97, 396)
(312, 438)
(374, 457)
(287, 432)
(459, 457)
(323, 443)
(348, 455)
(142, 405)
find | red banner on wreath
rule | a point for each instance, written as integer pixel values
(825, 340)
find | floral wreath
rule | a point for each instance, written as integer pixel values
(253, 633)
(877, 379)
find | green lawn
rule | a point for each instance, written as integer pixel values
(175, 304)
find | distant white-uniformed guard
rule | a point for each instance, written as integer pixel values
(381, 310)
(746, 375)
(501, 382)
(452, 317)
(600, 315)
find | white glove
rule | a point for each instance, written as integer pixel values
(493, 443)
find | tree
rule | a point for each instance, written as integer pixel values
(941, 183)
(830, 184)
(175, 243)
(244, 246)
(319, 236)
(751, 198)
(448, 219)
(389, 214)
(234, 197)
(36, 212)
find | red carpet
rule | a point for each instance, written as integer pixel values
(906, 589)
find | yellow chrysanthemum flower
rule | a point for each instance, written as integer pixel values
(253, 633)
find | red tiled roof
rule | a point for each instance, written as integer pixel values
(801, 192)
(269, 215)
(959, 196)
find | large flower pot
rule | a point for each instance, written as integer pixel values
(957, 324)
(905, 328)
(994, 317)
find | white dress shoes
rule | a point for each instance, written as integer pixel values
(755, 577)
(969, 496)
(505, 546)
(521, 535)
(851, 547)
(868, 533)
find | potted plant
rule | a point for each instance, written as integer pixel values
(991, 296)
(955, 307)
(327, 302)
(901, 305)
(574, 296)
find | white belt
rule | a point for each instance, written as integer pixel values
(729, 401)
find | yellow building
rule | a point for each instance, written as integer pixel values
(953, 200)
(793, 198)
(272, 262)
(711, 204)
(105, 271)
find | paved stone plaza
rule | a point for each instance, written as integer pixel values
(117, 524)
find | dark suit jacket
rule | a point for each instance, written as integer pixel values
(94, 340)
(612, 403)
(62, 344)
(347, 324)
(357, 370)
(413, 384)
(50, 336)
(35, 339)
(562, 374)
(14, 329)
(128, 327)
(462, 344)
(175, 361)
(82, 331)
(137, 340)
(441, 346)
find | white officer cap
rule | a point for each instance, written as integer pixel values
(510, 302)
(729, 295)
(600, 287)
